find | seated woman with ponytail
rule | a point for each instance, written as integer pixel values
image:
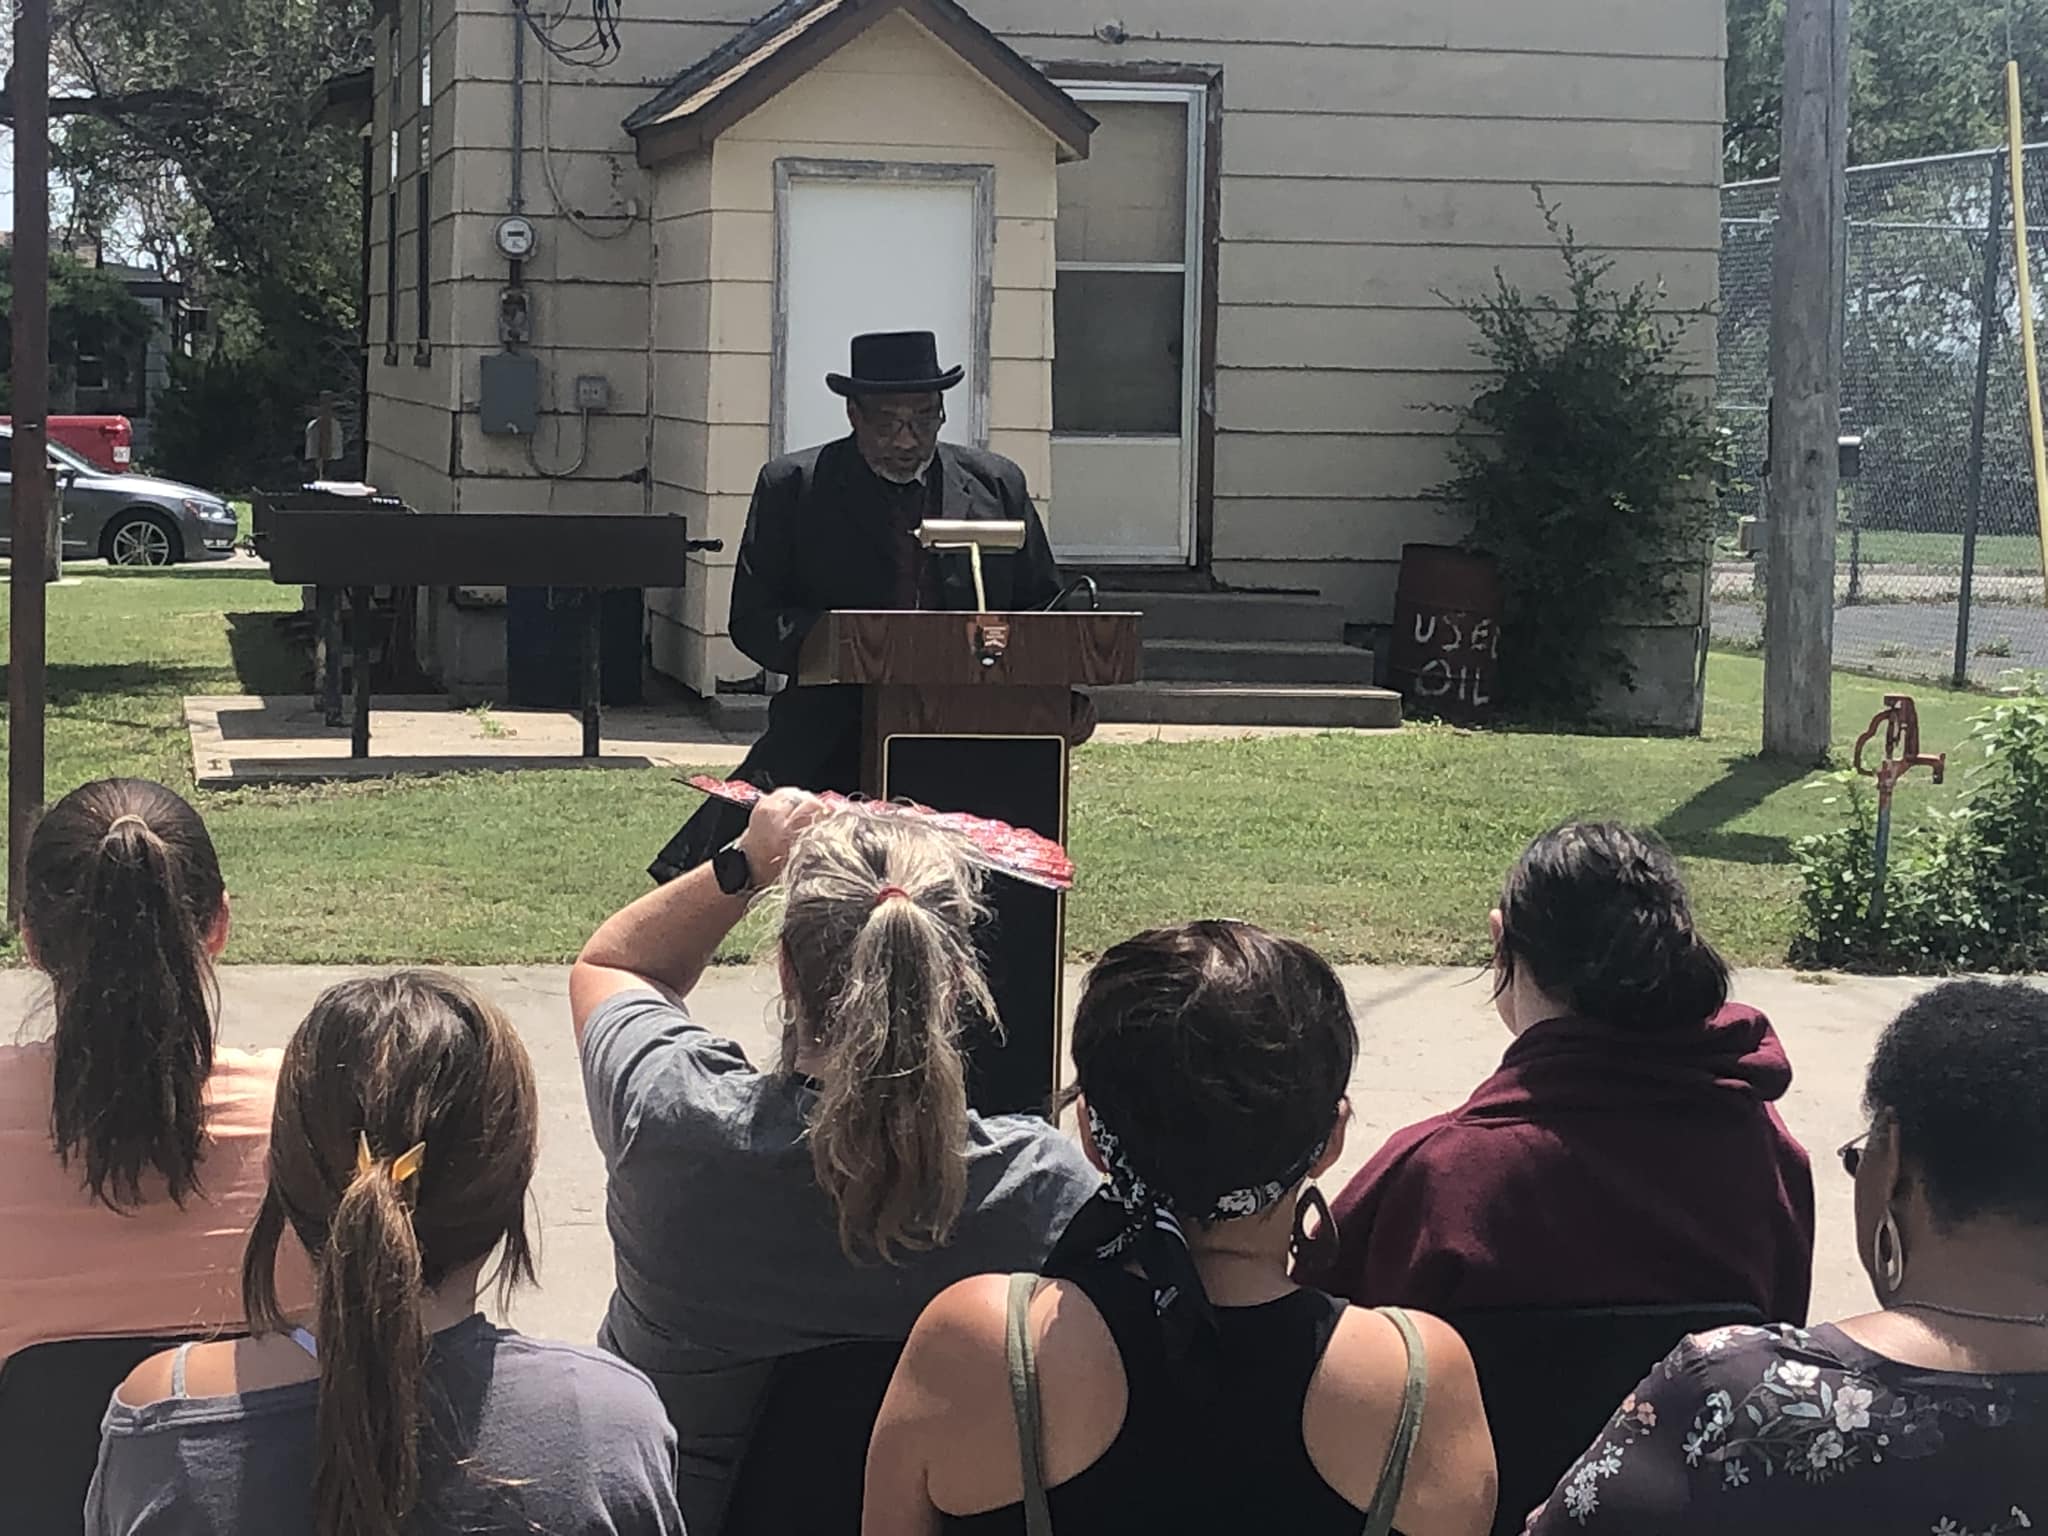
(1629, 1150)
(131, 1145)
(758, 1215)
(1167, 1374)
(404, 1143)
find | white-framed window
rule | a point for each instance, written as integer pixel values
(1126, 379)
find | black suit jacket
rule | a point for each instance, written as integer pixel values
(815, 541)
(818, 538)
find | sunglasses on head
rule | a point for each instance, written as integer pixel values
(1851, 1154)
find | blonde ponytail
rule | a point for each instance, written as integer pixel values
(879, 934)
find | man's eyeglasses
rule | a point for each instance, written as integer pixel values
(1851, 1154)
(890, 425)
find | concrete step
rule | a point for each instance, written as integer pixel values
(1233, 615)
(1249, 705)
(738, 712)
(1295, 662)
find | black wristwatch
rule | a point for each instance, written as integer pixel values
(735, 874)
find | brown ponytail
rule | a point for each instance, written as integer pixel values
(381, 1067)
(123, 892)
(878, 932)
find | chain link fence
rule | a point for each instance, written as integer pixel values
(1939, 563)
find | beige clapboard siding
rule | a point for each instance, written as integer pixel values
(1329, 528)
(617, 446)
(1374, 340)
(659, 44)
(1692, 29)
(1317, 400)
(466, 246)
(1337, 276)
(1435, 83)
(1373, 154)
(1251, 464)
(1651, 216)
(523, 492)
(609, 317)
(1293, 145)
(688, 388)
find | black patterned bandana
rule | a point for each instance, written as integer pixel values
(1131, 1222)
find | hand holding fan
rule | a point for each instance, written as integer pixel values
(1015, 851)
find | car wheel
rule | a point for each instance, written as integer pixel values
(142, 538)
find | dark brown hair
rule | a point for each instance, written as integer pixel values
(123, 890)
(884, 986)
(1218, 1051)
(399, 1061)
(1599, 915)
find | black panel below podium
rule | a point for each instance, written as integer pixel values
(1021, 780)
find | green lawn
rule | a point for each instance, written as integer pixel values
(1384, 848)
(1997, 554)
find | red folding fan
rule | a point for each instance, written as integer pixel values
(1013, 850)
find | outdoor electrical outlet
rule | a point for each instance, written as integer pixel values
(593, 392)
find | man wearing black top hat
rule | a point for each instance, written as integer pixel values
(836, 527)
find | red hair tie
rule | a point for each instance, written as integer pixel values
(890, 892)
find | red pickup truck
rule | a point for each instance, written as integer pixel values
(106, 442)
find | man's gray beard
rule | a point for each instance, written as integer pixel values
(910, 479)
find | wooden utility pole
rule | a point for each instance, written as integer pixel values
(31, 532)
(1810, 256)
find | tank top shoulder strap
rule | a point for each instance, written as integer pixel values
(178, 1359)
(1386, 1497)
(304, 1340)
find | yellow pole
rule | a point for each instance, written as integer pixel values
(2016, 157)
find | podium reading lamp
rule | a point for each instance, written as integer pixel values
(971, 712)
(955, 534)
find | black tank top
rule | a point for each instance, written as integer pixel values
(1235, 1464)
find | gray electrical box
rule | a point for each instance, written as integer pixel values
(510, 398)
(593, 392)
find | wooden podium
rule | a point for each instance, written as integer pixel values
(970, 712)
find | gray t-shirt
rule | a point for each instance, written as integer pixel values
(522, 1436)
(727, 1251)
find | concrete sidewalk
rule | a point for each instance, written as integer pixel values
(1427, 1036)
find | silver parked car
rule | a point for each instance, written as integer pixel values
(125, 519)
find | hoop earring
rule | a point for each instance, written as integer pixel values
(1891, 1255)
(1313, 1252)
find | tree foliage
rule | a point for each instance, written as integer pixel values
(1587, 464)
(91, 315)
(1927, 77)
(185, 124)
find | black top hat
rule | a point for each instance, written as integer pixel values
(895, 363)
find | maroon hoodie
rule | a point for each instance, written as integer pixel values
(1598, 1166)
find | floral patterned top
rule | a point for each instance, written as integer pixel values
(1782, 1429)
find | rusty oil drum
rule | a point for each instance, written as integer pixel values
(1446, 642)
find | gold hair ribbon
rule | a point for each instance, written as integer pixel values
(403, 1168)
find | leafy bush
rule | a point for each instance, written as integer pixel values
(1964, 891)
(230, 423)
(1588, 467)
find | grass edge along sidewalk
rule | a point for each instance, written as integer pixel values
(1384, 849)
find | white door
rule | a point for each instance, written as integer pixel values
(862, 253)
(1127, 330)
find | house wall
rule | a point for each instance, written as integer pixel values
(893, 94)
(1373, 156)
